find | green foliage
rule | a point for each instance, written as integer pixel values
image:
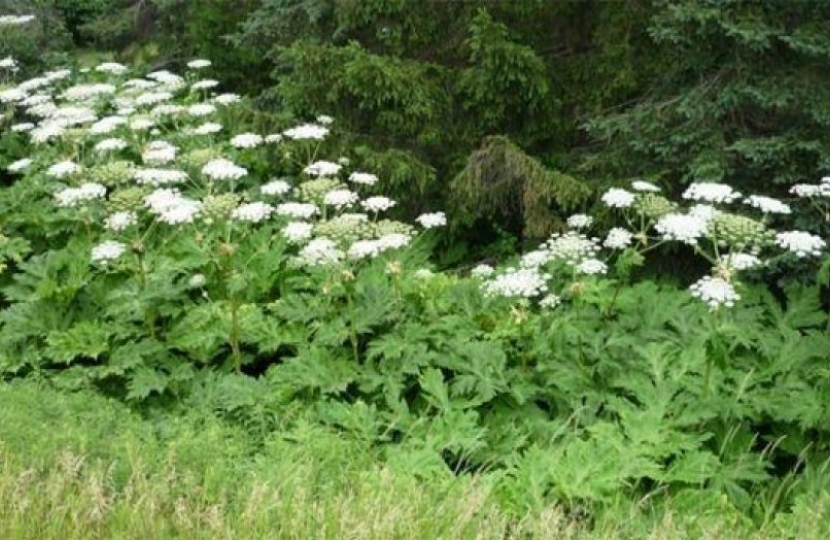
(623, 392)
(743, 109)
(602, 92)
(79, 466)
(500, 180)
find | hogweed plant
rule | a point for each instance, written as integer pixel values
(192, 226)
(733, 232)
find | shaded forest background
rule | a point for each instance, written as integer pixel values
(511, 115)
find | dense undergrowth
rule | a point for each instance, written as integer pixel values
(82, 466)
(233, 297)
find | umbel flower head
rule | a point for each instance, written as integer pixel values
(63, 169)
(107, 251)
(580, 221)
(297, 232)
(685, 228)
(715, 291)
(711, 192)
(739, 232)
(306, 131)
(246, 140)
(86, 192)
(275, 188)
(432, 220)
(571, 247)
(653, 206)
(323, 168)
(768, 205)
(800, 243)
(618, 238)
(253, 212)
(517, 282)
(340, 198)
(219, 207)
(618, 198)
(223, 169)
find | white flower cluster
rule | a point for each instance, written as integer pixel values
(592, 267)
(768, 205)
(706, 212)
(377, 204)
(201, 109)
(482, 271)
(227, 99)
(120, 221)
(323, 168)
(63, 169)
(686, 228)
(571, 247)
(580, 221)
(340, 198)
(124, 117)
(223, 169)
(8, 63)
(15, 20)
(159, 177)
(159, 153)
(550, 301)
(88, 191)
(199, 63)
(320, 251)
(363, 249)
(535, 258)
(740, 261)
(107, 251)
(107, 125)
(275, 188)
(618, 238)
(208, 128)
(88, 92)
(153, 98)
(432, 220)
(297, 232)
(253, 212)
(19, 165)
(800, 243)
(113, 144)
(306, 131)
(113, 68)
(517, 282)
(246, 140)
(171, 207)
(618, 198)
(367, 179)
(711, 192)
(715, 291)
(643, 186)
(297, 210)
(821, 189)
(204, 84)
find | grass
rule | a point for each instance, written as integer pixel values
(81, 466)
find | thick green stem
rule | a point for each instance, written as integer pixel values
(707, 377)
(149, 315)
(233, 336)
(609, 309)
(353, 328)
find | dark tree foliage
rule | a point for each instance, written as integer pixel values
(598, 92)
(738, 95)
